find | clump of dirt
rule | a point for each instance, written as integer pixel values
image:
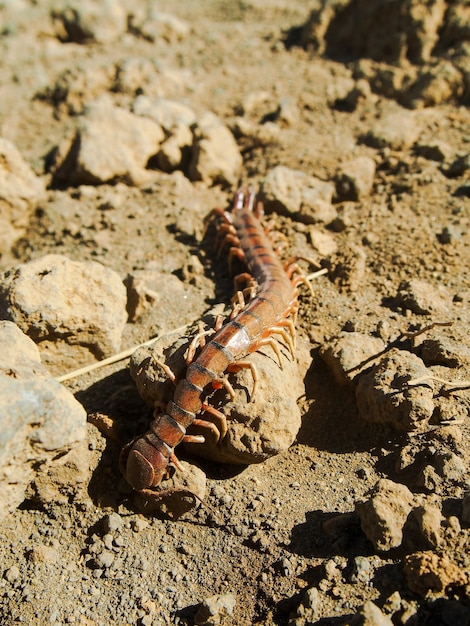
(341, 492)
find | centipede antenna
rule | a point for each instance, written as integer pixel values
(238, 201)
(250, 199)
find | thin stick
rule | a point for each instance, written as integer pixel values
(456, 384)
(120, 356)
(317, 274)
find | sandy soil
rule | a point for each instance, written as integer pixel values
(282, 541)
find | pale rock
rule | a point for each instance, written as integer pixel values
(38, 416)
(435, 150)
(215, 158)
(323, 243)
(397, 130)
(435, 85)
(371, 615)
(76, 86)
(213, 609)
(19, 185)
(63, 477)
(146, 287)
(444, 351)
(86, 20)
(255, 103)
(293, 192)
(355, 178)
(110, 144)
(138, 75)
(428, 571)
(20, 190)
(449, 465)
(252, 135)
(347, 267)
(56, 298)
(288, 112)
(423, 527)
(384, 513)
(159, 25)
(348, 354)
(384, 396)
(422, 298)
(166, 113)
(175, 151)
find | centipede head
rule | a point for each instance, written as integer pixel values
(143, 465)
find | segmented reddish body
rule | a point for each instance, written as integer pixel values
(147, 460)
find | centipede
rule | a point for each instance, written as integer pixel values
(265, 319)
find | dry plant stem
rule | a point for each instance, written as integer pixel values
(119, 356)
(456, 384)
(317, 274)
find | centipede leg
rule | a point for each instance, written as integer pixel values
(198, 341)
(194, 438)
(238, 302)
(218, 383)
(220, 214)
(223, 230)
(271, 342)
(236, 253)
(289, 324)
(209, 426)
(229, 239)
(291, 267)
(218, 416)
(259, 210)
(166, 368)
(280, 330)
(239, 365)
(244, 277)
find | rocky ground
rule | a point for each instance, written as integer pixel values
(341, 492)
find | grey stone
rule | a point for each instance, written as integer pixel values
(86, 20)
(423, 298)
(355, 178)
(384, 513)
(56, 298)
(110, 144)
(384, 395)
(371, 615)
(20, 190)
(38, 416)
(293, 192)
(348, 354)
(213, 609)
(215, 157)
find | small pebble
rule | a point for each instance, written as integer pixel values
(361, 570)
(12, 574)
(310, 598)
(112, 522)
(139, 524)
(104, 559)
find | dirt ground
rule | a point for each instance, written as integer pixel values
(384, 120)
